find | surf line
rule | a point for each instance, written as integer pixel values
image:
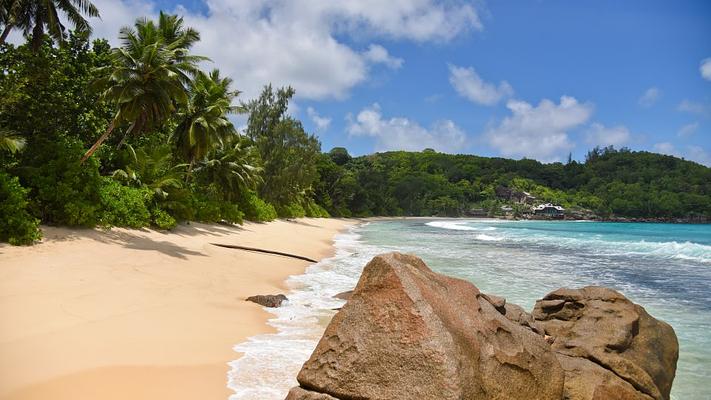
(258, 250)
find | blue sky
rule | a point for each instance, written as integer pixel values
(535, 79)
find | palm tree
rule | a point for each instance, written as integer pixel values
(35, 17)
(148, 74)
(152, 169)
(204, 123)
(10, 141)
(232, 167)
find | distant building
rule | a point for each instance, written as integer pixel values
(506, 209)
(549, 210)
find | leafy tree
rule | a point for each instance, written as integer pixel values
(232, 166)
(147, 76)
(288, 153)
(35, 17)
(204, 124)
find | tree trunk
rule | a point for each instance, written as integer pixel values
(123, 139)
(190, 171)
(6, 32)
(98, 143)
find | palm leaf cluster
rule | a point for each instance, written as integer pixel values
(204, 121)
(37, 17)
(148, 75)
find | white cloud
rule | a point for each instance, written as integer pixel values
(600, 135)
(693, 153)
(705, 69)
(299, 42)
(538, 131)
(693, 107)
(470, 85)
(404, 134)
(649, 97)
(322, 123)
(378, 54)
(688, 130)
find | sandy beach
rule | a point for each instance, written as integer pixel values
(141, 314)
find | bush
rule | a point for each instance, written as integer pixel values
(315, 211)
(210, 207)
(162, 220)
(256, 209)
(124, 206)
(293, 210)
(18, 226)
(63, 191)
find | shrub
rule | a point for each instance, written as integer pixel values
(124, 206)
(293, 210)
(314, 210)
(63, 191)
(162, 220)
(18, 226)
(210, 207)
(256, 209)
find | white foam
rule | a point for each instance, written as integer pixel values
(488, 238)
(270, 363)
(461, 225)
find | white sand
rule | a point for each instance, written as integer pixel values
(130, 314)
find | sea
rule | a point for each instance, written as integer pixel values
(666, 268)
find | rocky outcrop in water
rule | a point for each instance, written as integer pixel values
(409, 333)
(268, 300)
(609, 347)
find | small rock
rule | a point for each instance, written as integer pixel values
(268, 300)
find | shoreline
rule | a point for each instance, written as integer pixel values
(142, 314)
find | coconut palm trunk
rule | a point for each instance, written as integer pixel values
(5, 33)
(98, 143)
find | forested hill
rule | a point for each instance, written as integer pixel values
(609, 183)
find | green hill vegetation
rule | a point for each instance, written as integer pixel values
(609, 183)
(139, 136)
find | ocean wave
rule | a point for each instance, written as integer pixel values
(270, 362)
(459, 226)
(598, 244)
(488, 238)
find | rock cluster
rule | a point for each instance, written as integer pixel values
(409, 333)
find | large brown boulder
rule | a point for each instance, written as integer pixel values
(609, 347)
(409, 333)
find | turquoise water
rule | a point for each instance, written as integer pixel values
(665, 268)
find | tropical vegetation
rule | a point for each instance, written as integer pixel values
(139, 135)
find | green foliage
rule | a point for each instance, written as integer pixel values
(209, 207)
(162, 220)
(18, 226)
(44, 93)
(232, 167)
(611, 182)
(124, 206)
(147, 76)
(256, 209)
(35, 18)
(291, 210)
(204, 119)
(313, 210)
(288, 153)
(63, 191)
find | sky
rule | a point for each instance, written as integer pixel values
(539, 79)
